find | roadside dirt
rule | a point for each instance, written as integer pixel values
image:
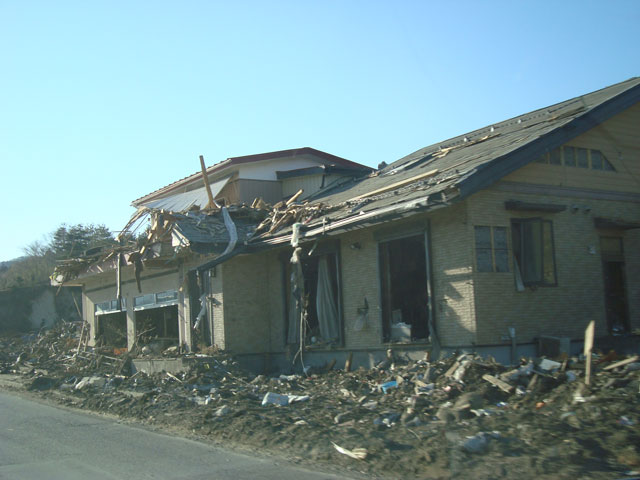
(402, 419)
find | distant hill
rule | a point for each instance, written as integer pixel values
(7, 263)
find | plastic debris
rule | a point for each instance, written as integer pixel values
(271, 398)
(388, 386)
(357, 453)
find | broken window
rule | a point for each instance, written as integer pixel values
(111, 323)
(533, 252)
(491, 249)
(158, 326)
(313, 298)
(157, 318)
(405, 297)
(112, 329)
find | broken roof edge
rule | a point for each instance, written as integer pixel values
(258, 157)
(487, 174)
(400, 210)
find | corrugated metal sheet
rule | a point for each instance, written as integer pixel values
(182, 202)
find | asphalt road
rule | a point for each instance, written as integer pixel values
(46, 443)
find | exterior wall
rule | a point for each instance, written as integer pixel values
(565, 309)
(450, 273)
(266, 169)
(254, 308)
(451, 237)
(247, 308)
(309, 183)
(618, 139)
(216, 313)
(249, 190)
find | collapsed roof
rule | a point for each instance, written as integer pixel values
(451, 170)
(432, 177)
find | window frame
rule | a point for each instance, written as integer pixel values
(492, 248)
(519, 269)
(560, 156)
(314, 250)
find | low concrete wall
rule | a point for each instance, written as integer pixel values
(171, 365)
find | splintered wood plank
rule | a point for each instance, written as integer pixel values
(504, 386)
(621, 363)
(588, 346)
(393, 186)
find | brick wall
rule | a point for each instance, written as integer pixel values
(247, 306)
(563, 310)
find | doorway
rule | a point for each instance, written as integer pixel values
(615, 291)
(404, 289)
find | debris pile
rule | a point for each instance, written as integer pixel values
(460, 416)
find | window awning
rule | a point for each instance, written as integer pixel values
(182, 202)
(615, 223)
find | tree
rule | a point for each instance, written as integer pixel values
(41, 256)
(74, 241)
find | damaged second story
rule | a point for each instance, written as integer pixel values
(138, 293)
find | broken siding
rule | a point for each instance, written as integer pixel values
(563, 310)
(618, 139)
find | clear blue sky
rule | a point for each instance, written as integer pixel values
(103, 102)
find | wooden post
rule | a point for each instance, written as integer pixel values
(347, 364)
(212, 202)
(588, 346)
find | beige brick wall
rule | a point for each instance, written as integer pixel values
(452, 275)
(217, 307)
(247, 306)
(563, 310)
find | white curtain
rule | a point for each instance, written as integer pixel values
(293, 333)
(326, 307)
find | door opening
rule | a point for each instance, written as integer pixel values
(615, 292)
(405, 294)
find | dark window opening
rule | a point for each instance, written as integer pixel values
(405, 297)
(112, 329)
(533, 252)
(313, 302)
(158, 326)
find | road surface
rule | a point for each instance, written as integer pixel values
(45, 443)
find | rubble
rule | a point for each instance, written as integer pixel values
(532, 421)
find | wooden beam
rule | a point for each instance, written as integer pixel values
(295, 197)
(504, 386)
(588, 346)
(212, 202)
(622, 363)
(395, 185)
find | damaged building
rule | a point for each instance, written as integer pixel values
(490, 241)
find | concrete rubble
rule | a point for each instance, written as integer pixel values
(459, 416)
